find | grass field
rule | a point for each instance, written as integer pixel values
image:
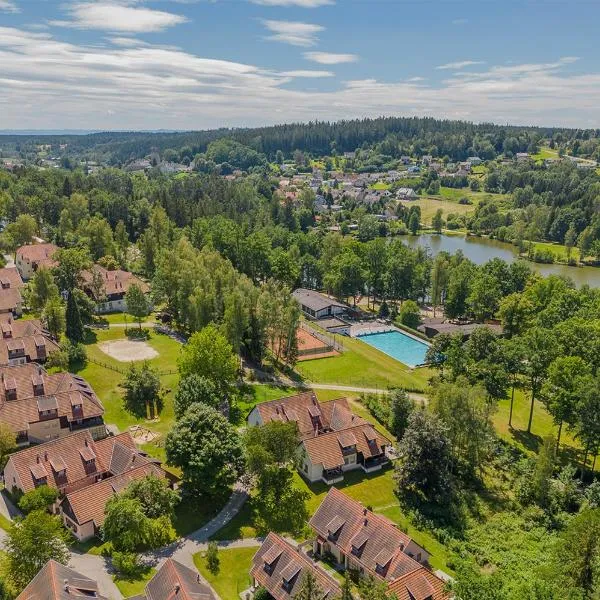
(544, 153)
(134, 587)
(380, 185)
(559, 250)
(362, 365)
(430, 205)
(232, 578)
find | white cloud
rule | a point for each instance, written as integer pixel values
(460, 21)
(460, 64)
(329, 58)
(9, 6)
(126, 42)
(293, 32)
(304, 73)
(301, 3)
(118, 16)
(46, 82)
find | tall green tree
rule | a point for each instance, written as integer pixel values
(41, 289)
(142, 390)
(137, 303)
(74, 326)
(207, 449)
(54, 317)
(195, 388)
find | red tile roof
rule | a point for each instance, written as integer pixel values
(175, 581)
(72, 454)
(279, 568)
(88, 503)
(68, 390)
(10, 276)
(37, 342)
(58, 582)
(326, 449)
(40, 254)
(115, 282)
(421, 584)
(366, 538)
(310, 415)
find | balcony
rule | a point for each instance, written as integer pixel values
(331, 476)
(371, 465)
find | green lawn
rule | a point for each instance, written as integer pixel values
(430, 205)
(380, 185)
(362, 365)
(559, 250)
(232, 578)
(134, 587)
(5, 523)
(545, 152)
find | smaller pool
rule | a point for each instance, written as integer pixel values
(402, 347)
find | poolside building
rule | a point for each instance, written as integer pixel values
(318, 306)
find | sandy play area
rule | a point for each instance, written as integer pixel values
(128, 350)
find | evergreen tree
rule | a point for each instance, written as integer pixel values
(74, 326)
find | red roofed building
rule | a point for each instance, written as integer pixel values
(11, 302)
(113, 287)
(332, 438)
(279, 568)
(40, 407)
(24, 341)
(372, 545)
(31, 257)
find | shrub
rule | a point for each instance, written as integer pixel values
(212, 558)
(38, 499)
(126, 563)
(261, 594)
(58, 360)
(76, 353)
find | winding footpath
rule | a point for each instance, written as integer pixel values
(99, 569)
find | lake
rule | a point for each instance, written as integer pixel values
(480, 250)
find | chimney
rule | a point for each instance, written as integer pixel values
(177, 588)
(66, 585)
(366, 522)
(37, 459)
(46, 456)
(86, 442)
(365, 512)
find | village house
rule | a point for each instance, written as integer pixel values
(24, 341)
(316, 305)
(474, 160)
(174, 581)
(40, 407)
(11, 302)
(332, 439)
(30, 258)
(406, 193)
(55, 581)
(372, 546)
(113, 286)
(279, 568)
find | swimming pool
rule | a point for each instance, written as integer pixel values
(402, 347)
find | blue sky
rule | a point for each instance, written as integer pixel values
(191, 64)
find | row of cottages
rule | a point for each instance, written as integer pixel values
(11, 302)
(40, 407)
(114, 287)
(358, 540)
(332, 439)
(85, 472)
(173, 581)
(24, 341)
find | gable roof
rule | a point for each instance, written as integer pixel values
(326, 449)
(421, 584)
(87, 504)
(70, 454)
(174, 580)
(32, 334)
(115, 282)
(279, 567)
(59, 582)
(74, 396)
(309, 414)
(382, 544)
(10, 299)
(315, 300)
(11, 276)
(40, 254)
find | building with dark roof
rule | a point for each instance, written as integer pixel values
(280, 568)
(23, 341)
(55, 581)
(31, 257)
(11, 302)
(318, 306)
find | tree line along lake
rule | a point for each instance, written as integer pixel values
(480, 250)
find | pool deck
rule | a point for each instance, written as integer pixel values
(368, 327)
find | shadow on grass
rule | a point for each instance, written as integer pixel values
(530, 441)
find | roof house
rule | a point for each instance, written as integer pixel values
(11, 302)
(40, 407)
(332, 439)
(31, 257)
(114, 287)
(175, 581)
(55, 581)
(279, 568)
(24, 341)
(316, 305)
(371, 545)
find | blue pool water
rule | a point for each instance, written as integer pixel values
(406, 349)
